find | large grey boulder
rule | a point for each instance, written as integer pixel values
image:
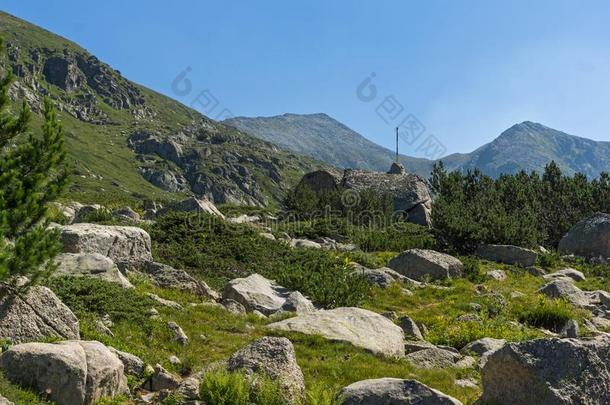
(168, 277)
(483, 346)
(275, 357)
(421, 264)
(566, 273)
(256, 293)
(588, 238)
(548, 371)
(357, 326)
(89, 265)
(508, 254)
(126, 244)
(70, 372)
(562, 288)
(132, 364)
(35, 314)
(394, 391)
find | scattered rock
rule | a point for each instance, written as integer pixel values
(166, 303)
(275, 357)
(517, 295)
(566, 273)
(267, 235)
(127, 213)
(162, 380)
(548, 371)
(120, 243)
(174, 360)
(233, 306)
(483, 346)
(70, 372)
(168, 277)
(383, 391)
(498, 275)
(467, 383)
(562, 288)
(434, 357)
(589, 238)
(357, 326)
(570, 329)
(508, 254)
(179, 334)
(89, 265)
(535, 271)
(132, 364)
(189, 388)
(382, 277)
(420, 264)
(410, 328)
(297, 302)
(305, 243)
(34, 315)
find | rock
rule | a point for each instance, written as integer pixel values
(570, 329)
(469, 318)
(569, 273)
(4, 401)
(255, 292)
(412, 346)
(397, 168)
(548, 371)
(297, 302)
(244, 219)
(189, 388)
(498, 275)
(179, 334)
(508, 254)
(467, 383)
(84, 212)
(234, 307)
(192, 205)
(168, 277)
(275, 357)
(535, 271)
(483, 346)
(305, 243)
(267, 235)
(71, 372)
(387, 391)
(420, 264)
(434, 357)
(166, 303)
(562, 288)
(357, 326)
(36, 314)
(174, 360)
(517, 295)
(89, 265)
(101, 327)
(132, 364)
(120, 243)
(410, 328)
(128, 213)
(589, 238)
(382, 277)
(162, 380)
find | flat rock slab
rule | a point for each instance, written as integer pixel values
(89, 265)
(357, 326)
(394, 391)
(508, 254)
(422, 264)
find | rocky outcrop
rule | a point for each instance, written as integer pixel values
(168, 277)
(122, 244)
(421, 264)
(275, 357)
(548, 371)
(192, 205)
(384, 391)
(89, 265)
(35, 314)
(508, 254)
(589, 238)
(357, 326)
(70, 372)
(63, 73)
(256, 293)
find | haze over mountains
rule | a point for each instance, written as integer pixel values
(526, 146)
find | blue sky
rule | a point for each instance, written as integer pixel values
(466, 69)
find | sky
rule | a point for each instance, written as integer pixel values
(459, 71)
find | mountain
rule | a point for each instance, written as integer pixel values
(527, 146)
(127, 142)
(325, 139)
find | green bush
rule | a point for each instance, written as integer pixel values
(224, 388)
(218, 251)
(472, 270)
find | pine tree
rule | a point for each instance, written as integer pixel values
(32, 174)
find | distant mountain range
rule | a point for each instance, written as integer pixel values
(526, 146)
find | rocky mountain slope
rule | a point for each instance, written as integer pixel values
(127, 142)
(525, 146)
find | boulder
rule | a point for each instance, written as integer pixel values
(192, 205)
(4, 401)
(566, 273)
(35, 314)
(483, 346)
(435, 357)
(132, 364)
(162, 380)
(508, 254)
(357, 326)
(166, 303)
(548, 371)
(305, 243)
(275, 357)
(297, 302)
(321, 181)
(126, 244)
(179, 335)
(420, 264)
(168, 277)
(498, 275)
(70, 372)
(127, 213)
(588, 238)
(386, 391)
(256, 293)
(410, 328)
(89, 265)
(562, 288)
(382, 277)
